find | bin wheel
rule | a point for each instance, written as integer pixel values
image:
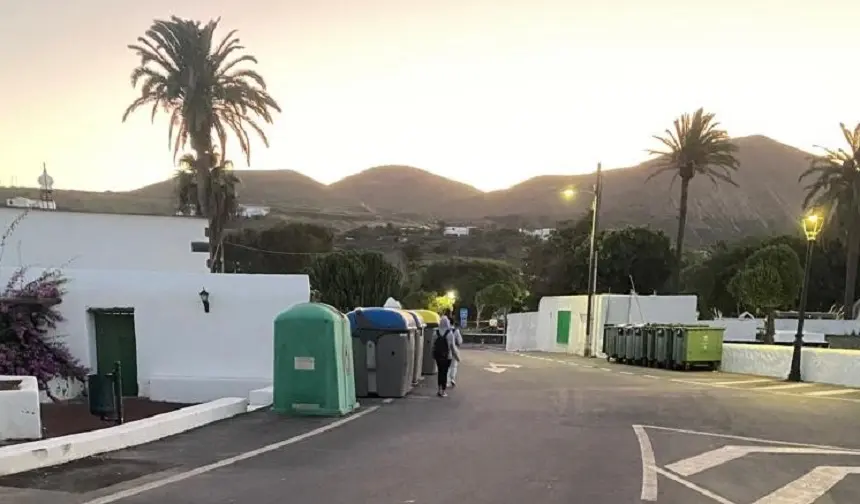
(687, 366)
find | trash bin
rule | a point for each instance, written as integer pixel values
(101, 395)
(630, 345)
(431, 318)
(418, 348)
(650, 336)
(610, 341)
(663, 346)
(697, 346)
(639, 344)
(383, 357)
(313, 369)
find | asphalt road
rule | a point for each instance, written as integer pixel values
(547, 429)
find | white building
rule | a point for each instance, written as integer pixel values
(254, 210)
(541, 234)
(103, 241)
(22, 202)
(456, 231)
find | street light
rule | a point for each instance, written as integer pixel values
(812, 224)
(568, 194)
(451, 295)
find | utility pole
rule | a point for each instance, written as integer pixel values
(592, 263)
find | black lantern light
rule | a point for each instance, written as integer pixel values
(204, 298)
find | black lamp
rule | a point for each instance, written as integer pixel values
(204, 298)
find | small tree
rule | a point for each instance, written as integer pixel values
(501, 296)
(770, 279)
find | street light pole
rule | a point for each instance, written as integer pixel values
(592, 264)
(811, 227)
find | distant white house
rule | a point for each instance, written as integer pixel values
(22, 202)
(542, 234)
(456, 231)
(254, 210)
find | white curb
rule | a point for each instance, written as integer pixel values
(55, 451)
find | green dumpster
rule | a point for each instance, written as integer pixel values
(610, 341)
(697, 346)
(313, 369)
(663, 346)
(650, 345)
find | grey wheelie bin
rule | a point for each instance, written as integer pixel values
(382, 340)
(431, 318)
(610, 341)
(418, 348)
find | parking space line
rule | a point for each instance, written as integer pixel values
(824, 393)
(742, 382)
(653, 377)
(785, 386)
(130, 492)
(627, 373)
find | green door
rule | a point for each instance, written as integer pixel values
(115, 341)
(562, 328)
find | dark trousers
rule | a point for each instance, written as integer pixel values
(442, 377)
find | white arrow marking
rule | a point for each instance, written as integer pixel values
(501, 368)
(495, 369)
(713, 458)
(808, 488)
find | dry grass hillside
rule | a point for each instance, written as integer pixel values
(767, 201)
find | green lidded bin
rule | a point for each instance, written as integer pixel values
(313, 369)
(697, 345)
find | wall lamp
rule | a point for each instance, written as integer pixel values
(204, 298)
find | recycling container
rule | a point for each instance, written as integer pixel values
(413, 340)
(417, 348)
(431, 318)
(639, 344)
(313, 367)
(650, 336)
(101, 395)
(662, 346)
(381, 339)
(610, 338)
(697, 346)
(630, 345)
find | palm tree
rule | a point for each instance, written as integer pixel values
(696, 145)
(223, 199)
(836, 187)
(206, 91)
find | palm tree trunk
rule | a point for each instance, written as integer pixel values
(679, 241)
(851, 259)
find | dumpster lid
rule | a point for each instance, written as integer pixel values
(310, 311)
(381, 318)
(428, 316)
(419, 322)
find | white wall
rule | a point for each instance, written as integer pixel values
(608, 309)
(184, 354)
(19, 410)
(521, 332)
(819, 365)
(103, 241)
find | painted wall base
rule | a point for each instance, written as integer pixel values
(818, 365)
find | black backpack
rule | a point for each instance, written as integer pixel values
(440, 345)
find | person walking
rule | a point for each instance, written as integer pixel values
(455, 363)
(444, 352)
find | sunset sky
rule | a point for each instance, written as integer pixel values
(488, 92)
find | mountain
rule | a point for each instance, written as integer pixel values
(767, 200)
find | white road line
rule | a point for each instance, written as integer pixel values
(626, 372)
(822, 393)
(651, 376)
(749, 439)
(695, 487)
(604, 369)
(785, 386)
(720, 456)
(649, 465)
(130, 492)
(811, 486)
(741, 382)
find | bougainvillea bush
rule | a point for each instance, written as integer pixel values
(27, 319)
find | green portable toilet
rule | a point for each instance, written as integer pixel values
(313, 371)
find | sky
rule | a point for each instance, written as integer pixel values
(487, 92)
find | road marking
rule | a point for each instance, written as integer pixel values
(500, 368)
(809, 487)
(649, 465)
(714, 458)
(786, 386)
(651, 376)
(741, 382)
(626, 372)
(749, 439)
(695, 487)
(604, 369)
(131, 492)
(831, 392)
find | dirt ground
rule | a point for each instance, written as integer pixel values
(72, 417)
